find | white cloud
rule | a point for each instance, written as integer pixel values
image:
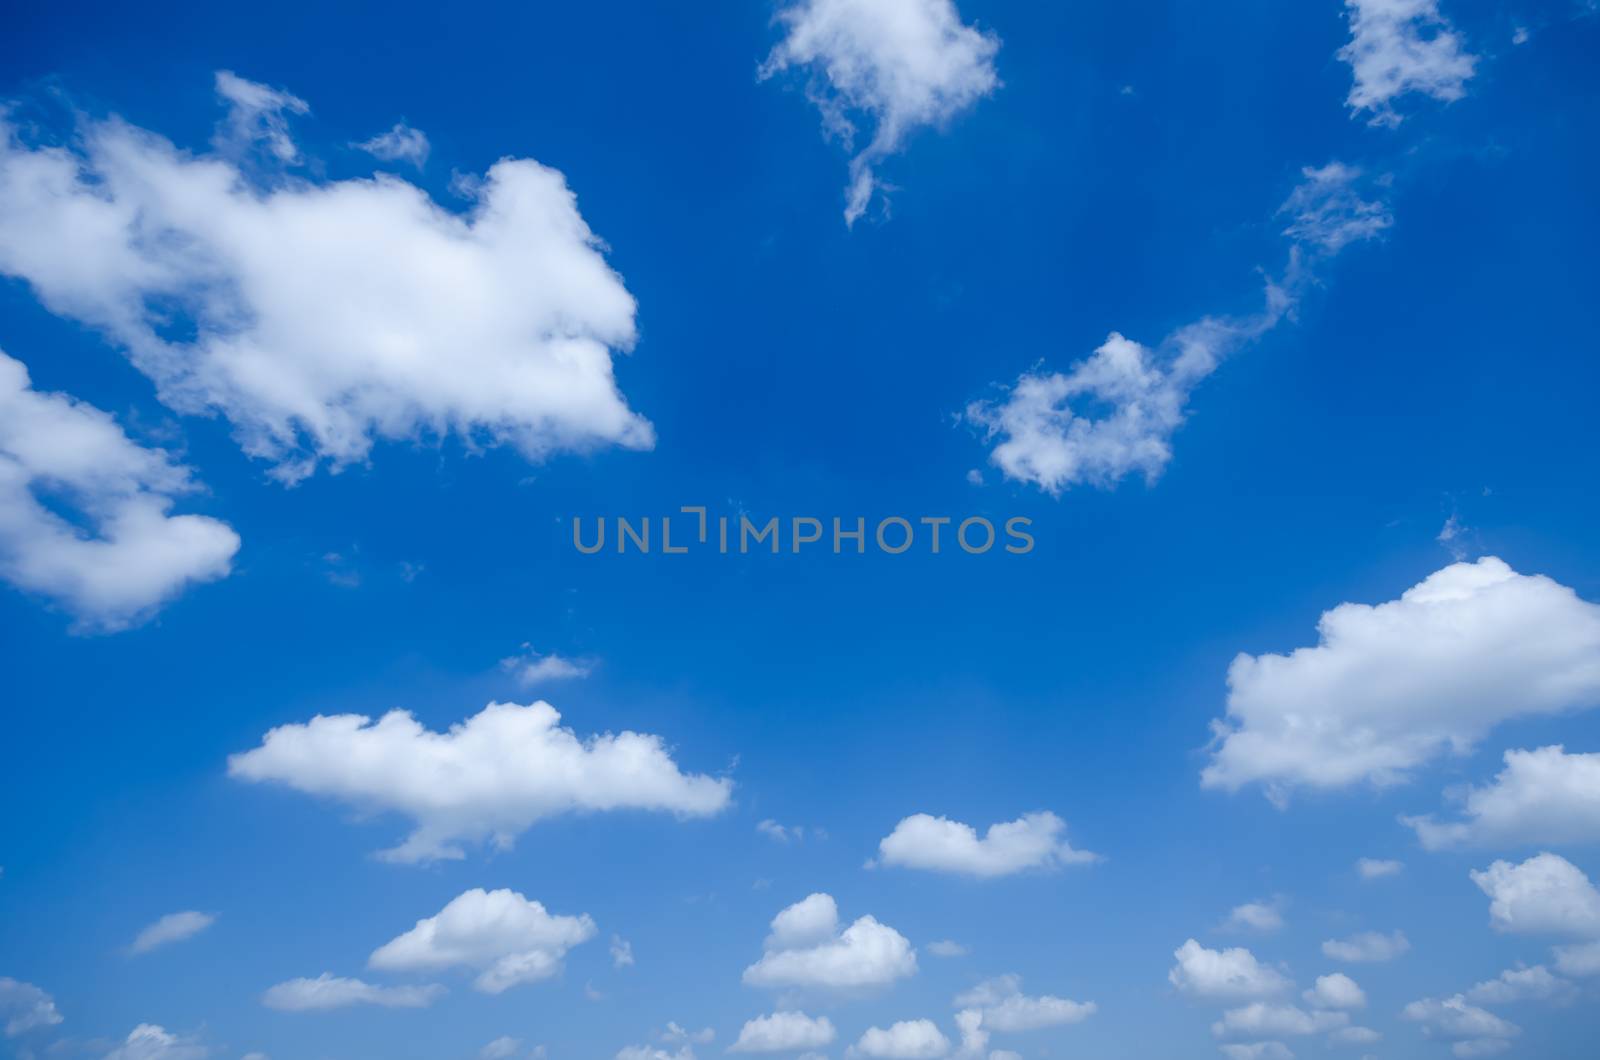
(1401, 46)
(25, 1007)
(1260, 1019)
(1115, 413)
(899, 64)
(938, 844)
(1256, 916)
(400, 144)
(807, 949)
(621, 952)
(1547, 894)
(130, 555)
(501, 1048)
(1336, 991)
(1256, 1051)
(676, 1033)
(1230, 974)
(1367, 947)
(1522, 984)
(326, 314)
(906, 1040)
(1392, 686)
(257, 115)
(1475, 1031)
(533, 668)
(1355, 1036)
(1582, 959)
(491, 776)
(1005, 1008)
(507, 938)
(946, 948)
(1377, 868)
(1543, 797)
(783, 1032)
(150, 1042)
(780, 832)
(174, 927)
(330, 992)
(650, 1052)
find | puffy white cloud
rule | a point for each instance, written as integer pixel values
(1337, 991)
(507, 938)
(400, 144)
(533, 668)
(807, 949)
(899, 64)
(1229, 974)
(1580, 959)
(1547, 894)
(1522, 984)
(1545, 797)
(1392, 686)
(938, 844)
(783, 1032)
(906, 1040)
(1261, 1019)
(329, 991)
(491, 776)
(1005, 1008)
(174, 927)
(1401, 46)
(1256, 1051)
(320, 316)
(1377, 868)
(1475, 1031)
(1256, 916)
(129, 555)
(1114, 414)
(1367, 947)
(148, 1041)
(25, 1007)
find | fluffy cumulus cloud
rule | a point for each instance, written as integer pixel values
(150, 1042)
(329, 992)
(1265, 917)
(1005, 1008)
(1523, 984)
(1231, 974)
(1389, 687)
(1261, 1019)
(1367, 947)
(122, 553)
(1543, 797)
(174, 927)
(1336, 991)
(807, 949)
(24, 1007)
(507, 938)
(1114, 414)
(938, 844)
(906, 1040)
(897, 65)
(320, 316)
(784, 1032)
(1472, 1030)
(491, 776)
(1402, 46)
(1545, 895)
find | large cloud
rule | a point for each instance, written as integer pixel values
(507, 938)
(900, 64)
(25, 1007)
(1545, 895)
(1543, 797)
(323, 315)
(491, 776)
(330, 992)
(1231, 974)
(1401, 46)
(1392, 686)
(784, 1032)
(938, 844)
(129, 555)
(807, 949)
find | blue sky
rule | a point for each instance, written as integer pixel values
(282, 440)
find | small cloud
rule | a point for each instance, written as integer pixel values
(532, 668)
(786, 833)
(174, 927)
(1520, 35)
(1265, 917)
(621, 952)
(400, 144)
(946, 948)
(1377, 868)
(974, 477)
(1369, 946)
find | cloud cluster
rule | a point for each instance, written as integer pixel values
(1471, 1030)
(25, 1007)
(508, 939)
(938, 844)
(491, 776)
(1389, 687)
(125, 554)
(1401, 46)
(898, 64)
(319, 316)
(807, 949)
